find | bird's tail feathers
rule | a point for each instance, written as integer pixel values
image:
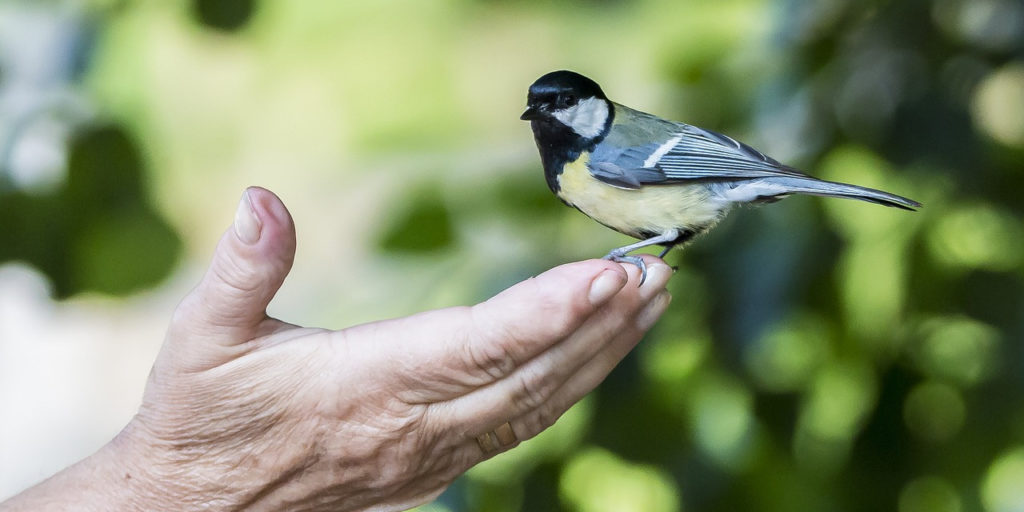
(776, 187)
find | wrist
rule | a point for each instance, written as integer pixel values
(129, 464)
(150, 477)
(122, 475)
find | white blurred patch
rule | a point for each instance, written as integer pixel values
(998, 106)
(40, 102)
(71, 372)
(38, 157)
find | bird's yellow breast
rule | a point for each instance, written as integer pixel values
(650, 209)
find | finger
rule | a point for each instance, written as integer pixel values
(451, 352)
(531, 386)
(590, 375)
(229, 305)
(501, 437)
(505, 436)
(528, 318)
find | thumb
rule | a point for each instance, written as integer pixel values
(250, 263)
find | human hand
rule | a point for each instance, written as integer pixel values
(243, 411)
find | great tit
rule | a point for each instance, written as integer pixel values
(660, 181)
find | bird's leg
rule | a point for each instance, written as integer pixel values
(620, 255)
(675, 268)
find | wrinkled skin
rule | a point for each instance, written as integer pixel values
(245, 412)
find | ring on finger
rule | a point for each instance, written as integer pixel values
(501, 437)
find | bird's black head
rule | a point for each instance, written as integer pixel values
(564, 101)
(569, 114)
(559, 90)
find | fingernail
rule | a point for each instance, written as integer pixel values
(247, 224)
(605, 285)
(653, 310)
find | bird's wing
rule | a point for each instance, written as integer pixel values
(702, 154)
(687, 153)
(683, 153)
(628, 178)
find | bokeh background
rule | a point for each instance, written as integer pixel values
(819, 354)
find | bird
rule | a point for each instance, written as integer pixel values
(660, 181)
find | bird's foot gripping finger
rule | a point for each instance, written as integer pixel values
(618, 257)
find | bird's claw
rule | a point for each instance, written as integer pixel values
(635, 260)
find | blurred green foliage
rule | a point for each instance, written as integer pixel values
(226, 15)
(97, 230)
(818, 355)
(425, 225)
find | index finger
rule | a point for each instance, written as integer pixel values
(450, 352)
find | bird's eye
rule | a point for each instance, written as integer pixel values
(569, 100)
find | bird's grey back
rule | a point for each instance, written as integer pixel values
(627, 144)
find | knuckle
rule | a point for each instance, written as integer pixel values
(543, 417)
(405, 444)
(533, 389)
(492, 349)
(548, 415)
(490, 357)
(240, 278)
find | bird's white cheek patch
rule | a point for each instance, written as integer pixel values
(587, 118)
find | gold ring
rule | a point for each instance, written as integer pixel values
(501, 437)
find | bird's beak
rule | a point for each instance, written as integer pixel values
(530, 114)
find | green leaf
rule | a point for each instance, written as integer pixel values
(424, 226)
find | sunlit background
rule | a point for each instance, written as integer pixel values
(819, 354)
